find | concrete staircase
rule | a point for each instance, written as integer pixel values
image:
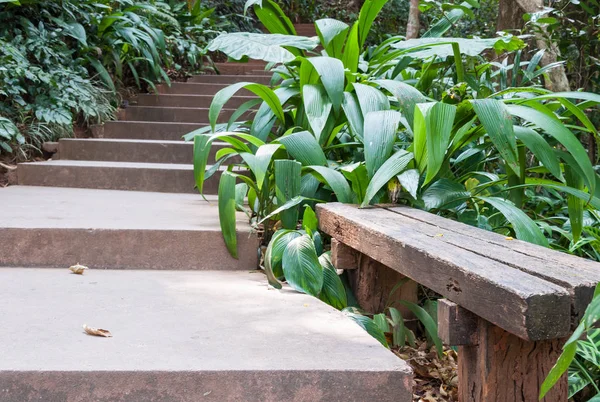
(190, 323)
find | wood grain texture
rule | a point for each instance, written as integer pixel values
(504, 368)
(456, 325)
(578, 275)
(372, 283)
(342, 256)
(529, 307)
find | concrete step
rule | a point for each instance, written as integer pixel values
(231, 79)
(183, 337)
(240, 68)
(59, 227)
(188, 100)
(132, 176)
(117, 150)
(145, 130)
(174, 114)
(196, 88)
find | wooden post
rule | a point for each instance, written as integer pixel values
(372, 283)
(504, 368)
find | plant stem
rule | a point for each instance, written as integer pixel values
(460, 71)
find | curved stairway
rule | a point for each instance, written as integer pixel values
(190, 323)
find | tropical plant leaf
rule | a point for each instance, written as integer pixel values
(390, 168)
(227, 216)
(271, 16)
(333, 292)
(541, 149)
(304, 148)
(317, 106)
(368, 13)
(524, 227)
(287, 187)
(336, 181)
(331, 73)
(301, 266)
(428, 323)
(379, 137)
(332, 34)
(407, 96)
(369, 325)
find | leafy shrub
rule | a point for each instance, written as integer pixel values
(63, 62)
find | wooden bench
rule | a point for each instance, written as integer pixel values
(509, 305)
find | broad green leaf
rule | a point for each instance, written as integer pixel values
(332, 34)
(447, 21)
(317, 106)
(227, 215)
(259, 162)
(352, 53)
(271, 16)
(444, 193)
(336, 181)
(381, 321)
(559, 368)
(359, 179)
(371, 99)
(410, 181)
(333, 292)
(354, 115)
(274, 254)
(301, 266)
(439, 121)
(398, 330)
(407, 96)
(272, 48)
(524, 227)
(390, 169)
(497, 121)
(563, 135)
(379, 136)
(541, 149)
(287, 187)
(368, 325)
(368, 13)
(424, 48)
(310, 223)
(303, 147)
(331, 73)
(420, 134)
(264, 92)
(202, 146)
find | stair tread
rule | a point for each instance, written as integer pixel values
(111, 164)
(109, 209)
(175, 322)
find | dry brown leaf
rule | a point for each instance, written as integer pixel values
(97, 331)
(78, 269)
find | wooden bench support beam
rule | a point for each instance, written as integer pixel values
(456, 325)
(343, 256)
(372, 283)
(503, 367)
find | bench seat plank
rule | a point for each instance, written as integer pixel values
(525, 305)
(579, 281)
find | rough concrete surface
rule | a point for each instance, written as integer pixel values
(117, 229)
(182, 336)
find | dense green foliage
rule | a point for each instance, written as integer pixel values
(50, 49)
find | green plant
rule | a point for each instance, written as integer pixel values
(580, 356)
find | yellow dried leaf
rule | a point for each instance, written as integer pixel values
(97, 331)
(78, 269)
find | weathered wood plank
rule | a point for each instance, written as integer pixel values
(579, 282)
(456, 325)
(342, 256)
(505, 368)
(373, 282)
(522, 304)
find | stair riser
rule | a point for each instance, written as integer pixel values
(174, 115)
(87, 150)
(191, 88)
(209, 386)
(179, 180)
(144, 131)
(260, 78)
(188, 101)
(123, 249)
(239, 69)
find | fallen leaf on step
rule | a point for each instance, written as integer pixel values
(509, 238)
(78, 269)
(97, 331)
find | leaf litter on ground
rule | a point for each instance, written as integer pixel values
(78, 269)
(97, 331)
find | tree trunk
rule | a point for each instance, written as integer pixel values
(412, 27)
(510, 16)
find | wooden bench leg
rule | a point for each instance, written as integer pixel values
(372, 283)
(501, 367)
